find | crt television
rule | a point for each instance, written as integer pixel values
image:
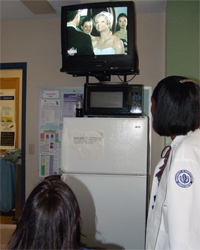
(76, 57)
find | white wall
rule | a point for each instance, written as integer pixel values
(37, 42)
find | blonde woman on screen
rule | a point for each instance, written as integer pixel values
(107, 43)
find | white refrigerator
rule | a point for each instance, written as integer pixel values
(104, 161)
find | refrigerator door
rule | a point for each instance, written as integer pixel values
(113, 209)
(104, 145)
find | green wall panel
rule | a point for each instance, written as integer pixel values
(183, 39)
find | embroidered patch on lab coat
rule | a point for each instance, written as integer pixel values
(184, 178)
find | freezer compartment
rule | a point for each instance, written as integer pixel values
(105, 145)
(113, 209)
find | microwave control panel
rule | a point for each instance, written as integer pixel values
(136, 100)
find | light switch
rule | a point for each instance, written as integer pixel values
(31, 149)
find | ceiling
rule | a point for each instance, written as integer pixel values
(15, 9)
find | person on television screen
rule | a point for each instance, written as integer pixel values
(87, 25)
(78, 42)
(121, 28)
(50, 218)
(174, 208)
(107, 43)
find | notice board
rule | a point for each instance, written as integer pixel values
(9, 113)
(54, 105)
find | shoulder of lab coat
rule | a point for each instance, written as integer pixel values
(183, 193)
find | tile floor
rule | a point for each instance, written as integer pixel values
(6, 231)
(7, 227)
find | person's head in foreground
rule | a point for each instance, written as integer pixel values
(50, 218)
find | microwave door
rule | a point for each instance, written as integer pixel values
(106, 100)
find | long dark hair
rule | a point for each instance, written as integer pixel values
(50, 218)
(177, 106)
(120, 15)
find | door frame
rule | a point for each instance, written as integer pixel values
(23, 67)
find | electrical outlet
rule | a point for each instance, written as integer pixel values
(31, 149)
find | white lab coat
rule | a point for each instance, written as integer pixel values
(174, 217)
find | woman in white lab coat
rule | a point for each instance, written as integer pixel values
(174, 210)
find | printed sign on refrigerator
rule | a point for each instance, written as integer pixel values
(88, 145)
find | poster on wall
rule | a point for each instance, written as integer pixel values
(7, 115)
(55, 104)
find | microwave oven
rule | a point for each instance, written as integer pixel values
(113, 99)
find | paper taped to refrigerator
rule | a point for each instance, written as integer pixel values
(87, 145)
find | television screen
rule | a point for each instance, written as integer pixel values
(99, 38)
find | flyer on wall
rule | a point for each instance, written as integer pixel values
(55, 104)
(8, 123)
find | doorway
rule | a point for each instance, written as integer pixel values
(23, 68)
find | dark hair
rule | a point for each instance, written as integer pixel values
(71, 15)
(50, 218)
(86, 19)
(120, 15)
(177, 110)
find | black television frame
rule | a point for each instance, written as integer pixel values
(101, 65)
